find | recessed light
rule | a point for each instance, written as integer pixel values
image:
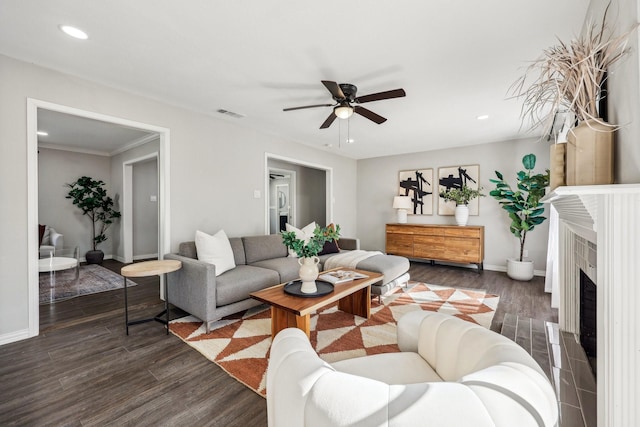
(483, 117)
(42, 133)
(73, 32)
(328, 145)
(350, 141)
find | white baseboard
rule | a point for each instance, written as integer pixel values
(503, 268)
(490, 267)
(14, 336)
(146, 256)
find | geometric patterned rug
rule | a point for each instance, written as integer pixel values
(62, 285)
(240, 343)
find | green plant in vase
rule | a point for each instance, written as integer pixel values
(307, 250)
(461, 196)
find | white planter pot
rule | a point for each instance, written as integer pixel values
(520, 270)
(308, 274)
(462, 214)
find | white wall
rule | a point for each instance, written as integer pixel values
(378, 183)
(205, 154)
(56, 168)
(624, 87)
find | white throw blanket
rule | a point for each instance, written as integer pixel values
(348, 259)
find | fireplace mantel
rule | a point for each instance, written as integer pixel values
(607, 215)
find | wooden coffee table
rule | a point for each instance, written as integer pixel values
(289, 311)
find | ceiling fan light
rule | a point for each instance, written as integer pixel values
(343, 111)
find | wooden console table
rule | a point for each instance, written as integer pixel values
(449, 243)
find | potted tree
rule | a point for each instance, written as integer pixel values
(461, 196)
(307, 250)
(524, 209)
(91, 197)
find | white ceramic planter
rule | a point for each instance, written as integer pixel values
(308, 274)
(462, 214)
(520, 270)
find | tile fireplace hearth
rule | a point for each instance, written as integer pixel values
(604, 217)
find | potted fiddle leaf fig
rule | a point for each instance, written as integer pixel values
(462, 196)
(524, 209)
(91, 197)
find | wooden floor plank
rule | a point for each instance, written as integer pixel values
(83, 370)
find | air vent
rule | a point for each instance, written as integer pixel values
(229, 113)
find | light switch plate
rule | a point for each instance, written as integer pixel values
(256, 194)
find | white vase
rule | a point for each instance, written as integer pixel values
(520, 270)
(462, 214)
(308, 274)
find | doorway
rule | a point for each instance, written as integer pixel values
(282, 199)
(161, 134)
(310, 190)
(140, 208)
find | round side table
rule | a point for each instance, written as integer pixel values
(146, 269)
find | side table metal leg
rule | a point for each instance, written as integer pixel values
(126, 307)
(166, 299)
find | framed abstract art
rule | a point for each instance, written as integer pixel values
(456, 177)
(417, 184)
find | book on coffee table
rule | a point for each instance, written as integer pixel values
(339, 276)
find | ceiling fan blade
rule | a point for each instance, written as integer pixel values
(396, 93)
(334, 89)
(369, 114)
(306, 106)
(329, 120)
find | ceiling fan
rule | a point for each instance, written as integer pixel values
(345, 95)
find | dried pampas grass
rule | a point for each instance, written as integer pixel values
(569, 77)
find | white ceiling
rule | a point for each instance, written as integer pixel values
(455, 59)
(74, 133)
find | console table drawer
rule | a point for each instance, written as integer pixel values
(400, 244)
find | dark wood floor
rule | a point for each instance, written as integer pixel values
(82, 370)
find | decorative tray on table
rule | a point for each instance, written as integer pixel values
(293, 288)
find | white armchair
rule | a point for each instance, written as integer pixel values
(461, 375)
(51, 240)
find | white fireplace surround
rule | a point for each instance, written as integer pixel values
(607, 216)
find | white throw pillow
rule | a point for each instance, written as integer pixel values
(306, 233)
(215, 250)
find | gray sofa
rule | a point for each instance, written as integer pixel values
(261, 261)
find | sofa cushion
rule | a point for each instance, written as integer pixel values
(188, 249)
(286, 267)
(391, 266)
(330, 247)
(236, 285)
(215, 250)
(258, 248)
(409, 368)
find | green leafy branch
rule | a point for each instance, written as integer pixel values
(314, 245)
